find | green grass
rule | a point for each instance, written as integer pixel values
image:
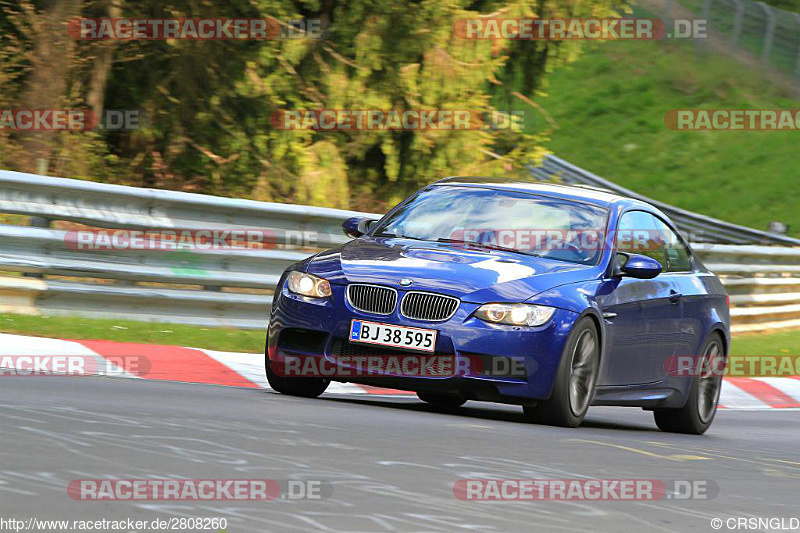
(610, 107)
(780, 343)
(66, 327)
(253, 340)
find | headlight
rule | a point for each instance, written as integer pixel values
(515, 314)
(308, 285)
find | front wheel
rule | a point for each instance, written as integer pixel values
(575, 379)
(696, 416)
(302, 387)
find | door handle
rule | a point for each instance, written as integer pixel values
(675, 297)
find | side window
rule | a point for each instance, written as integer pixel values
(638, 233)
(678, 258)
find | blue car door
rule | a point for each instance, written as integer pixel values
(694, 295)
(643, 316)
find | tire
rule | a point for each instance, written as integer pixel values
(576, 377)
(698, 413)
(302, 387)
(442, 400)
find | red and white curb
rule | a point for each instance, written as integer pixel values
(234, 369)
(166, 363)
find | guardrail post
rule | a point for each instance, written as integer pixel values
(37, 222)
(706, 15)
(737, 23)
(769, 34)
(797, 63)
(706, 11)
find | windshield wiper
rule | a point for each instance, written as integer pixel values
(392, 235)
(487, 246)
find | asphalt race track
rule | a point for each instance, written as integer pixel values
(392, 461)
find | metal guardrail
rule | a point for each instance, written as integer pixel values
(763, 283)
(117, 206)
(45, 275)
(44, 251)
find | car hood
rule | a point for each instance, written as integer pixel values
(477, 276)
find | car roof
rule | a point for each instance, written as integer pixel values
(580, 193)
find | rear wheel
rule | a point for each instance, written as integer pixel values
(443, 400)
(303, 387)
(575, 380)
(696, 416)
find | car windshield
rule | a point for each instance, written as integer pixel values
(495, 219)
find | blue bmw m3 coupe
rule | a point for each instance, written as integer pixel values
(550, 297)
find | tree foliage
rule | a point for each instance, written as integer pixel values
(207, 104)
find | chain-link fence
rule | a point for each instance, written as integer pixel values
(745, 27)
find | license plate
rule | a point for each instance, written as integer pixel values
(394, 336)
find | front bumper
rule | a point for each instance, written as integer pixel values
(309, 327)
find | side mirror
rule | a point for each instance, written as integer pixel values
(356, 226)
(638, 266)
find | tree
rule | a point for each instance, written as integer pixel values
(208, 104)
